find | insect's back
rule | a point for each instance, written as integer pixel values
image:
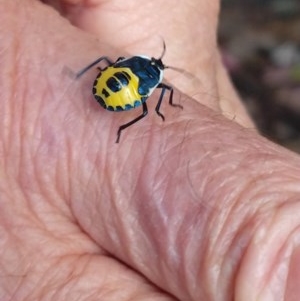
(147, 70)
(127, 83)
(116, 89)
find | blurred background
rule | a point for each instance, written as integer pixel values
(260, 42)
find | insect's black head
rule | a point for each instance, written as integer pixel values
(158, 62)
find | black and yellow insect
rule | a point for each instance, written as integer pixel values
(127, 83)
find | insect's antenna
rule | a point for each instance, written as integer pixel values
(164, 50)
(182, 71)
(175, 68)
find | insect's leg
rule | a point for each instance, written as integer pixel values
(121, 58)
(165, 87)
(126, 125)
(102, 58)
(109, 63)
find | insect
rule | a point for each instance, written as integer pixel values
(128, 82)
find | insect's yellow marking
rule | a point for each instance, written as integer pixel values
(128, 95)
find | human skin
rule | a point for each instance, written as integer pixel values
(200, 207)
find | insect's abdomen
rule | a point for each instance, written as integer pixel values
(116, 89)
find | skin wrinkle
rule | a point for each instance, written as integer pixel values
(197, 247)
(46, 281)
(222, 239)
(5, 114)
(244, 190)
(38, 181)
(146, 221)
(264, 225)
(242, 193)
(17, 286)
(124, 240)
(64, 186)
(171, 227)
(230, 263)
(15, 125)
(225, 247)
(69, 171)
(159, 189)
(277, 259)
(31, 282)
(18, 271)
(28, 134)
(95, 162)
(263, 219)
(195, 219)
(116, 216)
(291, 270)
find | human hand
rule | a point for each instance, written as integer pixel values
(196, 208)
